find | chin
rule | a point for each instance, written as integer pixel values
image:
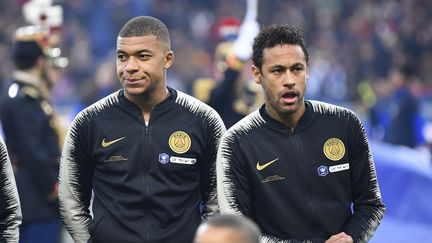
(134, 91)
(287, 111)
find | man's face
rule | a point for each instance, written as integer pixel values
(283, 77)
(214, 234)
(142, 63)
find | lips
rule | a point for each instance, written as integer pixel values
(132, 81)
(289, 97)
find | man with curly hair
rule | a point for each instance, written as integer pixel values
(301, 169)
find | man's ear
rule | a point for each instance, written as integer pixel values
(257, 74)
(169, 59)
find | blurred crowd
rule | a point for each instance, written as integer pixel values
(372, 56)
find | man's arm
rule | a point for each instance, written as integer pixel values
(233, 186)
(367, 204)
(216, 129)
(75, 181)
(10, 208)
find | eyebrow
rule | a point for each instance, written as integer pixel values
(135, 52)
(283, 66)
(293, 65)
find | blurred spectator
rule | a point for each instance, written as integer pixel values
(395, 115)
(32, 135)
(405, 125)
(234, 95)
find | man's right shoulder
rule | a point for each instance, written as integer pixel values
(246, 125)
(98, 107)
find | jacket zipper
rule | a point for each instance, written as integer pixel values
(310, 201)
(147, 165)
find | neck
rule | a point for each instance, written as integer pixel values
(147, 101)
(32, 77)
(289, 119)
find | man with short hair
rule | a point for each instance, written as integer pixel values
(301, 169)
(228, 229)
(32, 133)
(147, 151)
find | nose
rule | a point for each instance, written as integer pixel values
(288, 79)
(131, 65)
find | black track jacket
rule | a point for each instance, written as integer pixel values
(151, 183)
(304, 184)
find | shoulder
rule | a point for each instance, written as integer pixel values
(21, 100)
(245, 126)
(197, 107)
(327, 109)
(18, 92)
(4, 159)
(96, 108)
(3, 151)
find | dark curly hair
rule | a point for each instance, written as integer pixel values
(276, 35)
(144, 26)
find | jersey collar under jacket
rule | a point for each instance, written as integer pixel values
(164, 106)
(305, 121)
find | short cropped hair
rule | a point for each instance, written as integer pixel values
(145, 26)
(276, 35)
(247, 228)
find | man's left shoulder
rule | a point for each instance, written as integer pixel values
(201, 111)
(194, 105)
(324, 108)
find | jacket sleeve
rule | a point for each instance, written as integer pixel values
(271, 239)
(216, 128)
(367, 204)
(75, 180)
(10, 209)
(234, 191)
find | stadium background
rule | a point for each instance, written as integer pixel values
(354, 45)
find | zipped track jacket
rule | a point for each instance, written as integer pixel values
(151, 182)
(303, 184)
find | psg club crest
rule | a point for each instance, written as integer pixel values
(179, 142)
(334, 149)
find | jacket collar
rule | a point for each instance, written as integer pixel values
(160, 108)
(304, 122)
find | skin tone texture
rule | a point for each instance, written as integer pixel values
(214, 234)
